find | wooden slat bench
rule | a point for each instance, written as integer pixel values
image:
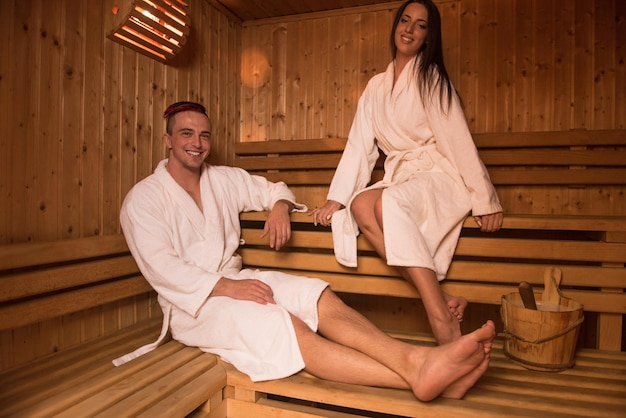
(589, 250)
(176, 381)
(595, 387)
(485, 266)
(572, 158)
(40, 281)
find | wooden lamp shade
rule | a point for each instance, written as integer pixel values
(156, 28)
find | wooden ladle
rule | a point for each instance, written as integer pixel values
(552, 294)
(528, 296)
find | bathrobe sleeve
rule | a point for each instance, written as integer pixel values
(255, 193)
(455, 142)
(355, 167)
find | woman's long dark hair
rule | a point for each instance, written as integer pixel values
(431, 74)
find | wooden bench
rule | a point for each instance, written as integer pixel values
(594, 387)
(589, 250)
(571, 158)
(40, 281)
(485, 266)
(177, 381)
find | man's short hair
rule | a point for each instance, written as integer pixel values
(177, 107)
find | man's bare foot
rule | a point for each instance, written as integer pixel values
(456, 304)
(458, 389)
(452, 369)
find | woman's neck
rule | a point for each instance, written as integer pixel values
(401, 62)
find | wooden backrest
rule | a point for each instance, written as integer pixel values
(39, 281)
(485, 266)
(577, 157)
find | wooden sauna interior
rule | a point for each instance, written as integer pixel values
(81, 116)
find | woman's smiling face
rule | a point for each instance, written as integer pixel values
(412, 29)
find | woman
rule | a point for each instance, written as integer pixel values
(433, 174)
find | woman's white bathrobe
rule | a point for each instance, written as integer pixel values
(183, 251)
(433, 174)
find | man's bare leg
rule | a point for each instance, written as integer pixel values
(351, 349)
(444, 311)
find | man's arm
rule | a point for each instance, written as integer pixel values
(278, 224)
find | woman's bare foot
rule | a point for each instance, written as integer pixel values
(456, 304)
(451, 370)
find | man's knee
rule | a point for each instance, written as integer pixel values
(330, 304)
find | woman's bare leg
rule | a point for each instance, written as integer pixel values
(444, 311)
(351, 349)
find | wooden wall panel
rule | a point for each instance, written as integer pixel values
(88, 112)
(519, 66)
(82, 121)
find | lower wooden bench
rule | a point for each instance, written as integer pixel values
(171, 381)
(179, 381)
(594, 387)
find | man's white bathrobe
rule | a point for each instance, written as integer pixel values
(433, 174)
(183, 251)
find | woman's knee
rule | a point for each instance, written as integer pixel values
(364, 206)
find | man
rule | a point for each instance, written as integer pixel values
(182, 227)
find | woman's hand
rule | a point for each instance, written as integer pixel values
(489, 223)
(324, 214)
(245, 289)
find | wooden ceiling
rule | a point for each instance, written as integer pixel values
(262, 9)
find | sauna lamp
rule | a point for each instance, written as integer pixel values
(155, 28)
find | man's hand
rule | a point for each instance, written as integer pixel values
(278, 224)
(245, 289)
(489, 223)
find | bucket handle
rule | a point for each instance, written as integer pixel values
(508, 334)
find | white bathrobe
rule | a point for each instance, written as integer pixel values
(183, 251)
(433, 175)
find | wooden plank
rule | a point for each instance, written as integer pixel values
(70, 181)
(191, 395)
(460, 270)
(56, 279)
(535, 249)
(511, 221)
(31, 311)
(560, 222)
(554, 157)
(557, 176)
(478, 402)
(499, 176)
(46, 386)
(91, 152)
(39, 253)
(295, 146)
(48, 152)
(269, 408)
(60, 363)
(539, 249)
(295, 178)
(290, 162)
(146, 388)
(574, 137)
(539, 139)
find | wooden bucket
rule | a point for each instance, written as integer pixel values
(543, 339)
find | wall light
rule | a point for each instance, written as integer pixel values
(156, 28)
